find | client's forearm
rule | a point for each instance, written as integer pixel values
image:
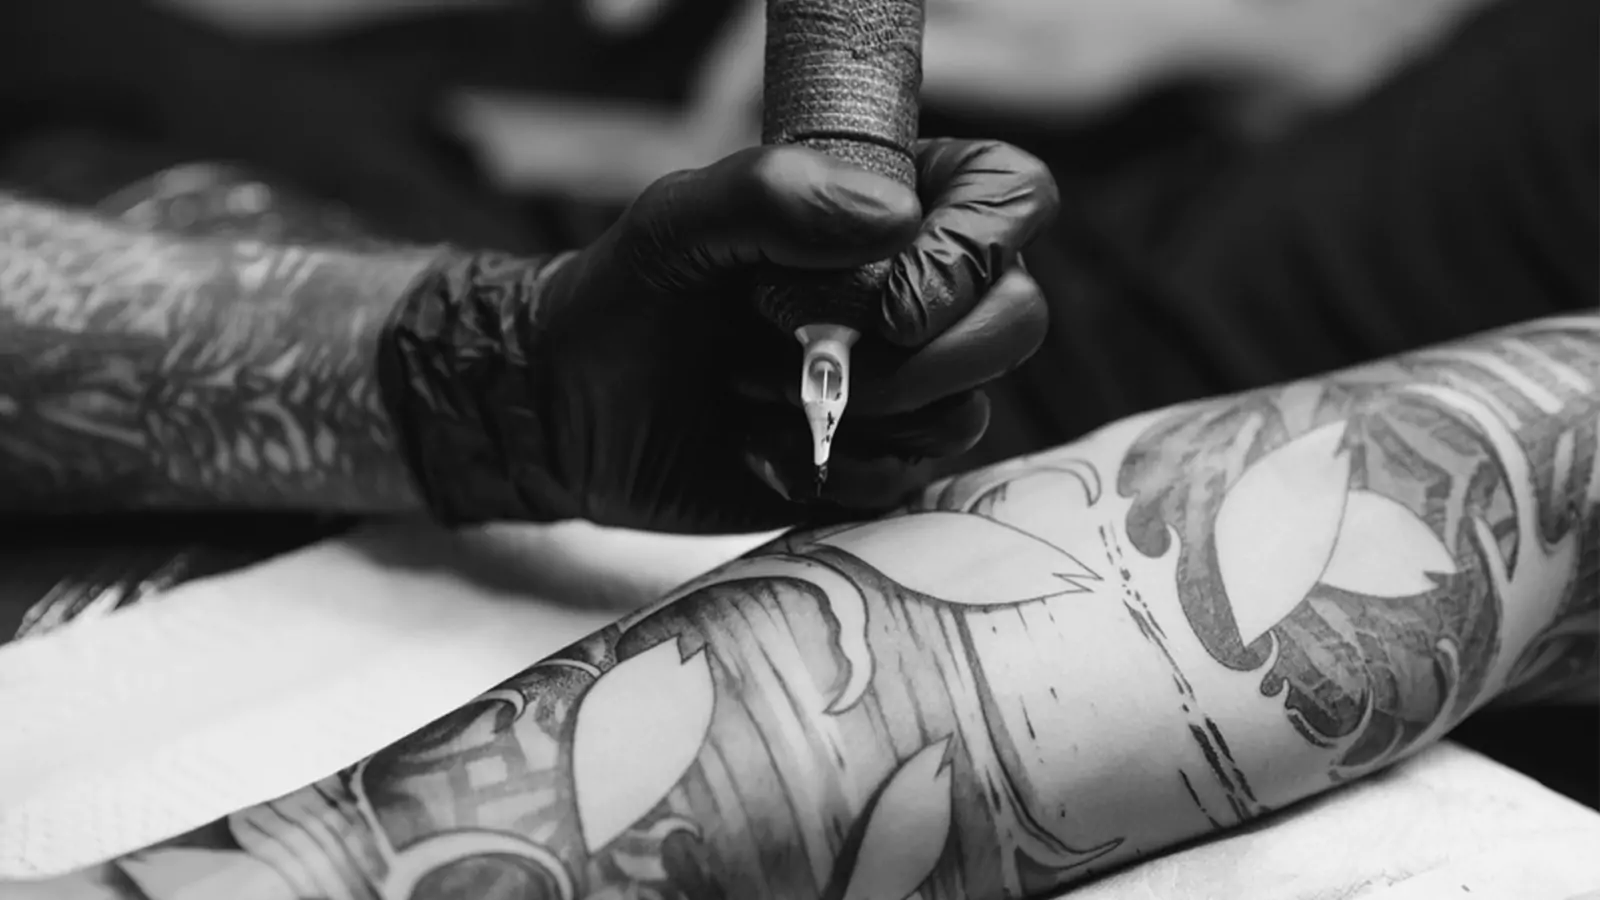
(1039, 671)
(148, 370)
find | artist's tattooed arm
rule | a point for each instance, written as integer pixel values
(142, 370)
(1038, 671)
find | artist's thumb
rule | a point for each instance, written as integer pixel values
(779, 206)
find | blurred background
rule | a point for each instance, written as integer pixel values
(527, 125)
(528, 122)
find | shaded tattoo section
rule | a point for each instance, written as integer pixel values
(1430, 495)
(1556, 376)
(111, 566)
(150, 369)
(900, 709)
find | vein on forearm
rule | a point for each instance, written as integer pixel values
(146, 370)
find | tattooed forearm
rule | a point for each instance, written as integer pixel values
(1451, 547)
(142, 369)
(1038, 671)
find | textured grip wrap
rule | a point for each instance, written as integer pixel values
(842, 78)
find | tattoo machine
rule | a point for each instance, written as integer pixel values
(842, 78)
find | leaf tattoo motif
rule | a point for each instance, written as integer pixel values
(907, 829)
(998, 565)
(1269, 568)
(639, 729)
(1354, 540)
(1467, 470)
(1384, 550)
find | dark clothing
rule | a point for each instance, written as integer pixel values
(1463, 196)
(95, 94)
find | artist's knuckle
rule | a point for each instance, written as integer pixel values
(771, 174)
(901, 320)
(656, 221)
(1037, 188)
(655, 200)
(905, 318)
(1049, 195)
(1032, 319)
(1028, 165)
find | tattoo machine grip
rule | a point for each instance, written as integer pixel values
(842, 77)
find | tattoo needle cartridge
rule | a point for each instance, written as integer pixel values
(840, 78)
(824, 385)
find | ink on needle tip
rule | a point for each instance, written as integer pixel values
(824, 384)
(823, 397)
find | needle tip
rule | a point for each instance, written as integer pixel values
(824, 385)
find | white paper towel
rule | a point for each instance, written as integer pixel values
(229, 691)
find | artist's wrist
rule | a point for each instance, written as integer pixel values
(469, 393)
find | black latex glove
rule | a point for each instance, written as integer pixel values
(633, 384)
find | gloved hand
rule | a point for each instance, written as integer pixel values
(633, 384)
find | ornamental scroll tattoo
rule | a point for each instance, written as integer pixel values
(1434, 494)
(1028, 675)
